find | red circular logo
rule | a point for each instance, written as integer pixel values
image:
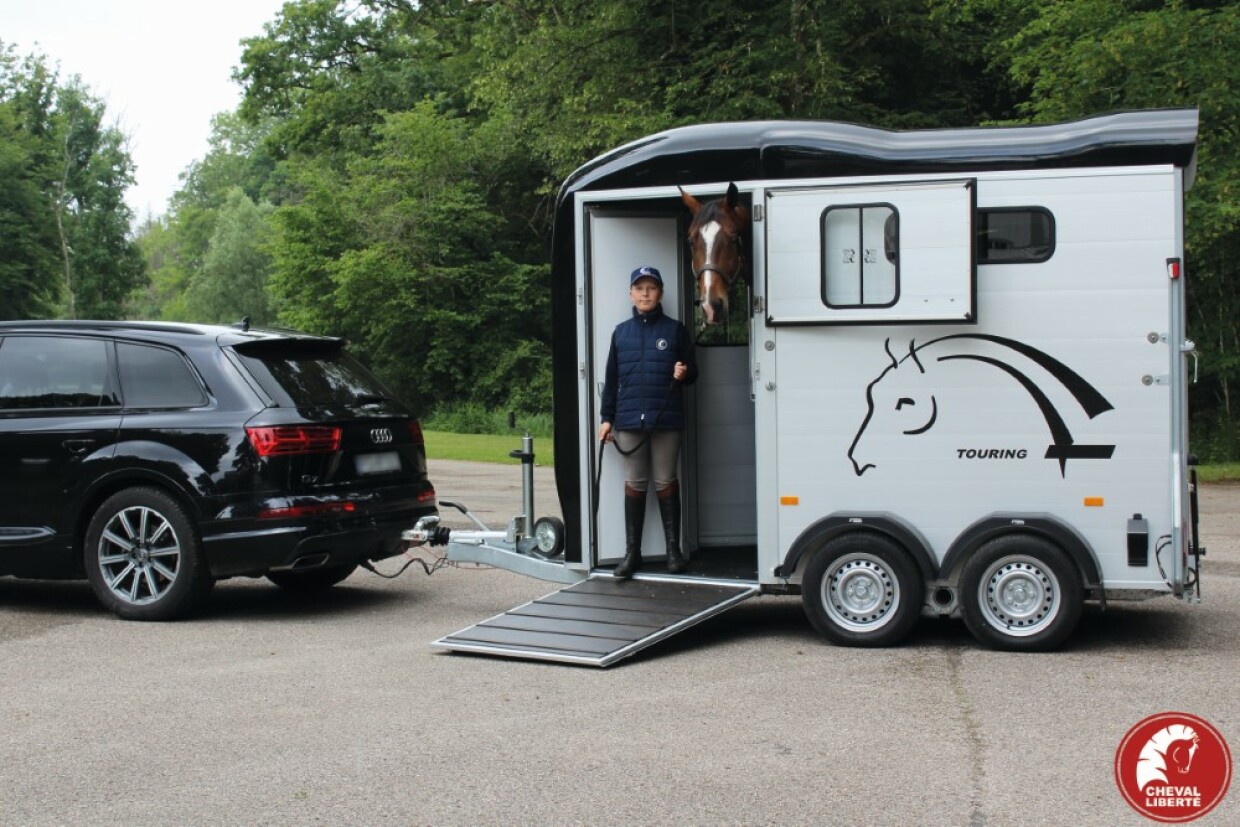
(1173, 767)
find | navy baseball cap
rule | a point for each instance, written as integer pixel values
(645, 273)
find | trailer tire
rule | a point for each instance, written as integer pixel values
(862, 589)
(1021, 593)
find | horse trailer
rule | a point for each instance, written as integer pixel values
(951, 383)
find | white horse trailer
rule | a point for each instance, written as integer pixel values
(954, 385)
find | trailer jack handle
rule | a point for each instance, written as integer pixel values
(544, 538)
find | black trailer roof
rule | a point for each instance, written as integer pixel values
(773, 150)
(813, 149)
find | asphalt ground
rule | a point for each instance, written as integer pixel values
(270, 710)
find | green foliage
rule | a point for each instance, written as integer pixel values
(27, 243)
(233, 278)
(66, 247)
(1076, 59)
(472, 418)
(404, 156)
(406, 254)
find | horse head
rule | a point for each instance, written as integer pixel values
(899, 403)
(716, 241)
(1180, 753)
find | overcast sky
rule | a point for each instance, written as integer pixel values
(163, 67)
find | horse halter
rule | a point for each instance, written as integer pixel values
(729, 280)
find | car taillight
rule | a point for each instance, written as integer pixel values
(415, 432)
(310, 510)
(283, 440)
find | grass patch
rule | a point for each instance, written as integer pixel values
(484, 447)
(468, 418)
(1219, 472)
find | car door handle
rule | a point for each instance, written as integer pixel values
(77, 447)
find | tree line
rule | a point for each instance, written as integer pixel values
(66, 246)
(390, 173)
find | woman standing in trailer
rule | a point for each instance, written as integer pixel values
(643, 413)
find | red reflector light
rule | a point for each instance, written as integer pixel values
(307, 510)
(1173, 268)
(294, 439)
(415, 432)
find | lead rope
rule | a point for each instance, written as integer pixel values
(598, 466)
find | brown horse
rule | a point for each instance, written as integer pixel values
(715, 237)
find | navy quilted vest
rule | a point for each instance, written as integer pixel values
(644, 351)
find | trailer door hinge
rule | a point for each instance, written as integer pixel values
(581, 370)
(756, 213)
(581, 296)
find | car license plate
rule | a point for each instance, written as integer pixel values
(384, 463)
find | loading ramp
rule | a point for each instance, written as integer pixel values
(598, 621)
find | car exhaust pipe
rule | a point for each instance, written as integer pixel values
(310, 561)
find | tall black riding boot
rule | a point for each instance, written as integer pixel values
(634, 517)
(669, 510)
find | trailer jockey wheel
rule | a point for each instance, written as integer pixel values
(862, 589)
(549, 536)
(1021, 593)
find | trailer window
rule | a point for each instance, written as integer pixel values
(860, 255)
(1015, 235)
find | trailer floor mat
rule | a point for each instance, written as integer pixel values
(598, 621)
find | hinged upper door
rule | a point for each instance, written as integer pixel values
(871, 254)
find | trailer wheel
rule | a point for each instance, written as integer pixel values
(1021, 594)
(862, 590)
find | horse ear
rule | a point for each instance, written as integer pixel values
(692, 203)
(732, 206)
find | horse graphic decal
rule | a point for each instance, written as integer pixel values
(902, 399)
(1172, 747)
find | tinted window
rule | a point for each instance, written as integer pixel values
(860, 262)
(307, 377)
(1015, 235)
(153, 377)
(52, 372)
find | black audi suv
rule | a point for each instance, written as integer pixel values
(153, 459)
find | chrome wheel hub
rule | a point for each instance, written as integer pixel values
(860, 593)
(139, 555)
(1019, 595)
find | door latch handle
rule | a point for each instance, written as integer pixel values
(77, 447)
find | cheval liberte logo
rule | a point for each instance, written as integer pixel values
(1173, 767)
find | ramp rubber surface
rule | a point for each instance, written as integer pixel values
(598, 621)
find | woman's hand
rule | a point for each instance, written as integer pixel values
(604, 432)
(679, 371)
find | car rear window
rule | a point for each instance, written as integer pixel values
(311, 376)
(152, 377)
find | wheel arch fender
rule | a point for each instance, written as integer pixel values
(1046, 526)
(105, 486)
(820, 532)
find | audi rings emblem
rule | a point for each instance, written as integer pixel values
(381, 436)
